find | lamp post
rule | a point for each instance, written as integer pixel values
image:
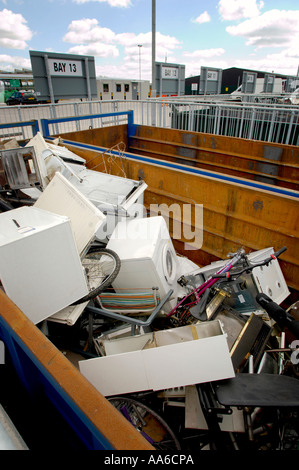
(139, 46)
(154, 48)
(153, 93)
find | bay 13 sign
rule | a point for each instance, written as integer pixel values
(63, 76)
(170, 72)
(65, 67)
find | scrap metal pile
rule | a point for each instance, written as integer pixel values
(208, 350)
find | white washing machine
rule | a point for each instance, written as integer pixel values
(147, 255)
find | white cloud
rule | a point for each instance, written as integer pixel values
(112, 3)
(8, 62)
(115, 71)
(203, 58)
(274, 28)
(88, 31)
(14, 31)
(203, 18)
(238, 9)
(285, 62)
(193, 67)
(165, 48)
(97, 50)
(89, 38)
(204, 53)
(162, 41)
(129, 68)
(279, 63)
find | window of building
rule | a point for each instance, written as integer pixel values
(105, 87)
(118, 87)
(127, 87)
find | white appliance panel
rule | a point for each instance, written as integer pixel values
(40, 268)
(62, 198)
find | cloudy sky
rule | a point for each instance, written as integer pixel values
(254, 34)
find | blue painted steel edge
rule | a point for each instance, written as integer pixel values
(45, 122)
(82, 426)
(33, 124)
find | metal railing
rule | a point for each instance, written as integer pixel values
(259, 121)
(266, 123)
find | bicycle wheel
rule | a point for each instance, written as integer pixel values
(101, 267)
(153, 428)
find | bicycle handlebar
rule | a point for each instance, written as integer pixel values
(282, 318)
(223, 273)
(279, 252)
(251, 266)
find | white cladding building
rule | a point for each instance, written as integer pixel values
(122, 89)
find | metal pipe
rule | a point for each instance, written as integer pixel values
(87, 79)
(139, 47)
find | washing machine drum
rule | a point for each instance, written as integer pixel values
(169, 264)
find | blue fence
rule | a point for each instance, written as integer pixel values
(56, 127)
(19, 130)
